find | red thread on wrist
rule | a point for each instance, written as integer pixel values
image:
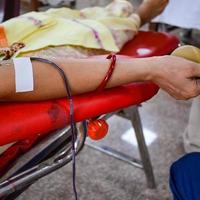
(109, 73)
(98, 128)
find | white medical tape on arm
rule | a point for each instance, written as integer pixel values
(23, 74)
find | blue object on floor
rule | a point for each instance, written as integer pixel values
(185, 177)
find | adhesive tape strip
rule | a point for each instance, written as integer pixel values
(23, 74)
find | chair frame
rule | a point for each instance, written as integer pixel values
(52, 153)
(39, 163)
(132, 114)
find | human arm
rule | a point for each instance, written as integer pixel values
(84, 75)
(150, 9)
(173, 74)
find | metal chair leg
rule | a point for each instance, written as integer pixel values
(132, 114)
(137, 125)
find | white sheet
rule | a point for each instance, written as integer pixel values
(181, 13)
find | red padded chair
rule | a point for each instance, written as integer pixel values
(21, 121)
(12, 115)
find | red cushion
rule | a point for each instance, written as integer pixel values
(21, 120)
(147, 44)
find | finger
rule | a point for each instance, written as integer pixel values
(195, 70)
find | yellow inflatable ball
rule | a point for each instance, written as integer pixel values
(189, 52)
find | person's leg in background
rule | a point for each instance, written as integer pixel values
(191, 136)
(185, 177)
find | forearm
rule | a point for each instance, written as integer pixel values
(150, 9)
(144, 15)
(84, 75)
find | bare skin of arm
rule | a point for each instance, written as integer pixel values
(171, 73)
(150, 9)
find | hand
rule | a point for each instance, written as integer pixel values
(150, 9)
(177, 76)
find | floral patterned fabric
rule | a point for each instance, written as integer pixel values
(74, 33)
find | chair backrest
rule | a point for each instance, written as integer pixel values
(9, 9)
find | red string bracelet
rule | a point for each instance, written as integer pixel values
(109, 73)
(98, 128)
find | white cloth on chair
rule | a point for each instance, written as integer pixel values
(181, 13)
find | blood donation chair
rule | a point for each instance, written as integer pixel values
(44, 139)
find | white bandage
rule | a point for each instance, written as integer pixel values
(23, 74)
